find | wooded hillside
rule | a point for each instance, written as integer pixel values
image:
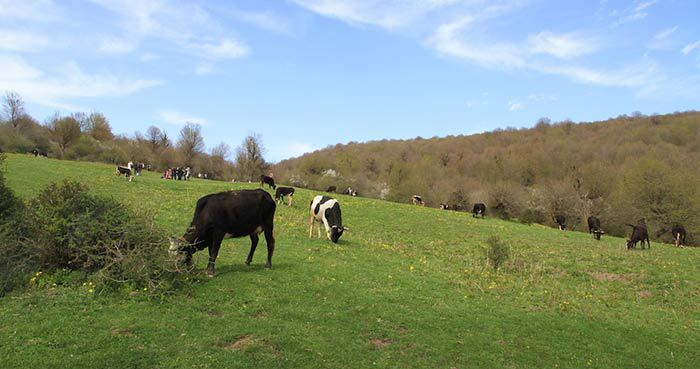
(620, 170)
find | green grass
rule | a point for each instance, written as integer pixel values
(405, 287)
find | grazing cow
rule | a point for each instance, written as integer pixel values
(330, 189)
(561, 221)
(44, 154)
(267, 179)
(417, 200)
(594, 227)
(35, 152)
(639, 233)
(224, 215)
(327, 211)
(678, 233)
(125, 171)
(282, 192)
(444, 207)
(479, 209)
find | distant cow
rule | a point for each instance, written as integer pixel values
(417, 200)
(330, 189)
(35, 152)
(350, 191)
(125, 171)
(267, 179)
(444, 207)
(479, 209)
(639, 233)
(282, 192)
(678, 233)
(594, 227)
(561, 221)
(224, 215)
(326, 210)
(44, 154)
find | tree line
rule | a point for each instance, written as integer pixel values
(621, 170)
(89, 137)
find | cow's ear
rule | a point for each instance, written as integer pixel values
(346, 228)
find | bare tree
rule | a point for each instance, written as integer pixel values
(219, 160)
(14, 108)
(191, 142)
(154, 137)
(249, 157)
(65, 131)
(97, 126)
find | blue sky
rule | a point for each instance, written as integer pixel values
(305, 74)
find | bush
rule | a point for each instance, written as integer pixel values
(95, 238)
(497, 252)
(505, 200)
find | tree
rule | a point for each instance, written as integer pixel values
(191, 142)
(154, 136)
(219, 157)
(249, 157)
(97, 126)
(14, 108)
(65, 132)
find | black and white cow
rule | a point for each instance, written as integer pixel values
(281, 192)
(678, 232)
(417, 200)
(267, 179)
(226, 215)
(350, 191)
(479, 209)
(326, 210)
(125, 171)
(594, 227)
(35, 152)
(639, 233)
(444, 207)
(560, 220)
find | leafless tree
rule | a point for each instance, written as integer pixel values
(191, 142)
(249, 157)
(14, 108)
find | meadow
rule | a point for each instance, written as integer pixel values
(406, 286)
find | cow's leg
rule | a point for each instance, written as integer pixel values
(270, 240)
(290, 200)
(311, 223)
(254, 238)
(214, 246)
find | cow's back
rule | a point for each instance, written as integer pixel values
(238, 213)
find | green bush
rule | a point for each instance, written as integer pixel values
(497, 252)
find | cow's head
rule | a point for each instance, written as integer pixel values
(181, 249)
(117, 172)
(335, 232)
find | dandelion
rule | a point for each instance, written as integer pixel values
(390, 276)
(145, 289)
(411, 268)
(91, 290)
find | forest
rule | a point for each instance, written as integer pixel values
(621, 170)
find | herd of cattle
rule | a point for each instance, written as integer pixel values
(242, 213)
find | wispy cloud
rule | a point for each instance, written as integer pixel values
(204, 69)
(115, 45)
(661, 38)
(23, 41)
(226, 49)
(636, 13)
(515, 106)
(690, 47)
(178, 118)
(31, 10)
(542, 97)
(66, 81)
(561, 46)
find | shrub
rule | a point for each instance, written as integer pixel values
(497, 251)
(505, 200)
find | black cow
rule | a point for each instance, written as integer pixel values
(282, 192)
(639, 233)
(479, 209)
(35, 152)
(331, 189)
(327, 211)
(444, 207)
(125, 171)
(417, 200)
(678, 233)
(225, 215)
(44, 154)
(561, 221)
(267, 179)
(594, 227)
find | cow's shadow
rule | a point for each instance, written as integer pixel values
(242, 268)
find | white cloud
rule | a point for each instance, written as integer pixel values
(389, 14)
(562, 46)
(636, 13)
(205, 69)
(661, 39)
(114, 45)
(178, 118)
(13, 40)
(542, 97)
(226, 49)
(690, 47)
(515, 106)
(295, 149)
(64, 82)
(265, 20)
(31, 10)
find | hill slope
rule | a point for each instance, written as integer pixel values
(406, 287)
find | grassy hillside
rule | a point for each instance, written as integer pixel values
(406, 287)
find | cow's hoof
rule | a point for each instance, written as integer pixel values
(247, 263)
(268, 267)
(210, 273)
